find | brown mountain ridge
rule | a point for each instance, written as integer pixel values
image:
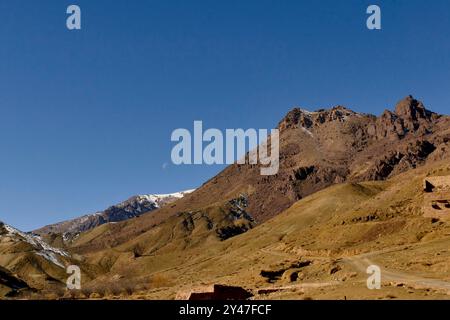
(340, 195)
(317, 149)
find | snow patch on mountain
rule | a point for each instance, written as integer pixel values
(307, 112)
(130, 208)
(43, 249)
(307, 131)
(162, 199)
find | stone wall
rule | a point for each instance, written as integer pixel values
(437, 183)
(437, 197)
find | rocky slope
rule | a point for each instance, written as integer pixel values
(35, 244)
(32, 260)
(130, 208)
(317, 149)
(319, 248)
(321, 148)
(10, 285)
(239, 223)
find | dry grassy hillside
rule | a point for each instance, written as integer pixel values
(29, 265)
(349, 194)
(318, 248)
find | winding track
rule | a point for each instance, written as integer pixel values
(362, 261)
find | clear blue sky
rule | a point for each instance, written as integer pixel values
(86, 116)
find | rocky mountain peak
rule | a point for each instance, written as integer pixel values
(299, 117)
(296, 117)
(412, 109)
(339, 113)
(409, 117)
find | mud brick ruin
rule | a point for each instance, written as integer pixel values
(437, 196)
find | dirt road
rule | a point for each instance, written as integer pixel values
(361, 262)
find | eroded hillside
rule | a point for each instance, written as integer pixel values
(317, 149)
(318, 248)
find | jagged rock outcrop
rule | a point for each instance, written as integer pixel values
(328, 146)
(10, 284)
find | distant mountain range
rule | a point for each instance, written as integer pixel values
(127, 209)
(350, 185)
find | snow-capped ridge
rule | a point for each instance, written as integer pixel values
(130, 208)
(159, 199)
(43, 249)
